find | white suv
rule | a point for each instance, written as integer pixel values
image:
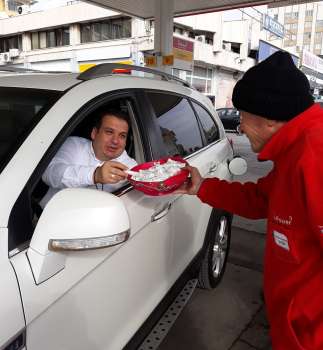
(58, 290)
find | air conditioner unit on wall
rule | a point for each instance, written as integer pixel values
(23, 9)
(227, 46)
(200, 38)
(13, 53)
(6, 57)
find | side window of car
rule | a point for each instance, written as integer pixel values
(178, 124)
(28, 207)
(210, 128)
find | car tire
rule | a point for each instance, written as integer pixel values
(217, 250)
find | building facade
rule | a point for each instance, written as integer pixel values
(210, 51)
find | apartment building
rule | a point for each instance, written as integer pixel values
(79, 35)
(303, 25)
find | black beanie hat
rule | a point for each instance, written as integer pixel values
(275, 89)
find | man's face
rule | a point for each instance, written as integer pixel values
(109, 141)
(259, 130)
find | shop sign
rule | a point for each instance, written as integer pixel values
(265, 50)
(168, 60)
(150, 61)
(183, 49)
(273, 26)
(312, 61)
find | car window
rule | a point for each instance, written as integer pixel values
(20, 110)
(209, 126)
(28, 208)
(178, 124)
(222, 113)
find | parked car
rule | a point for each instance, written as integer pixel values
(319, 101)
(230, 117)
(58, 290)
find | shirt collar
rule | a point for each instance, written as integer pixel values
(288, 133)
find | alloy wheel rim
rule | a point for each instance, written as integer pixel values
(220, 247)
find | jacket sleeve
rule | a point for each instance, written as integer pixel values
(249, 200)
(62, 171)
(306, 315)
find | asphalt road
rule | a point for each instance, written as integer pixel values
(230, 317)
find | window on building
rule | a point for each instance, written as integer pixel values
(10, 42)
(178, 30)
(318, 36)
(306, 47)
(42, 40)
(293, 26)
(309, 13)
(291, 15)
(289, 43)
(318, 46)
(115, 28)
(201, 79)
(276, 17)
(178, 124)
(288, 15)
(307, 36)
(308, 24)
(34, 41)
(50, 38)
(294, 15)
(319, 23)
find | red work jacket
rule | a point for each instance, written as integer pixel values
(291, 198)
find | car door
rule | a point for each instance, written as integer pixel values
(12, 330)
(182, 135)
(102, 296)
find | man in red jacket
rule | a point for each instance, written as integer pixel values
(284, 125)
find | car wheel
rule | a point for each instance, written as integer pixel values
(216, 254)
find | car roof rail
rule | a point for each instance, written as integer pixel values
(105, 69)
(14, 69)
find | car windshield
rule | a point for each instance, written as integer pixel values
(20, 111)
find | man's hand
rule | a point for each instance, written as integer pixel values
(192, 185)
(110, 172)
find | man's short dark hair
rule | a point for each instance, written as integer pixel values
(113, 112)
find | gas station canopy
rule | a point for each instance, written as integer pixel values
(146, 8)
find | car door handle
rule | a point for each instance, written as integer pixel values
(213, 168)
(161, 213)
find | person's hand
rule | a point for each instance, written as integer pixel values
(193, 183)
(110, 172)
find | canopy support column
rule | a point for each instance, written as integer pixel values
(163, 37)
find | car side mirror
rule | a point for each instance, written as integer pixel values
(238, 166)
(75, 219)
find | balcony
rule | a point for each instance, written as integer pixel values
(226, 59)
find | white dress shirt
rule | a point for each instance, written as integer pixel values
(73, 166)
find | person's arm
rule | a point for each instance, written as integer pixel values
(248, 200)
(62, 171)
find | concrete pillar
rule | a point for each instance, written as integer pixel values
(26, 42)
(75, 34)
(75, 39)
(164, 22)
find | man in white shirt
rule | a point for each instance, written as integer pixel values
(98, 164)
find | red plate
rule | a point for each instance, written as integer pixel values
(159, 188)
